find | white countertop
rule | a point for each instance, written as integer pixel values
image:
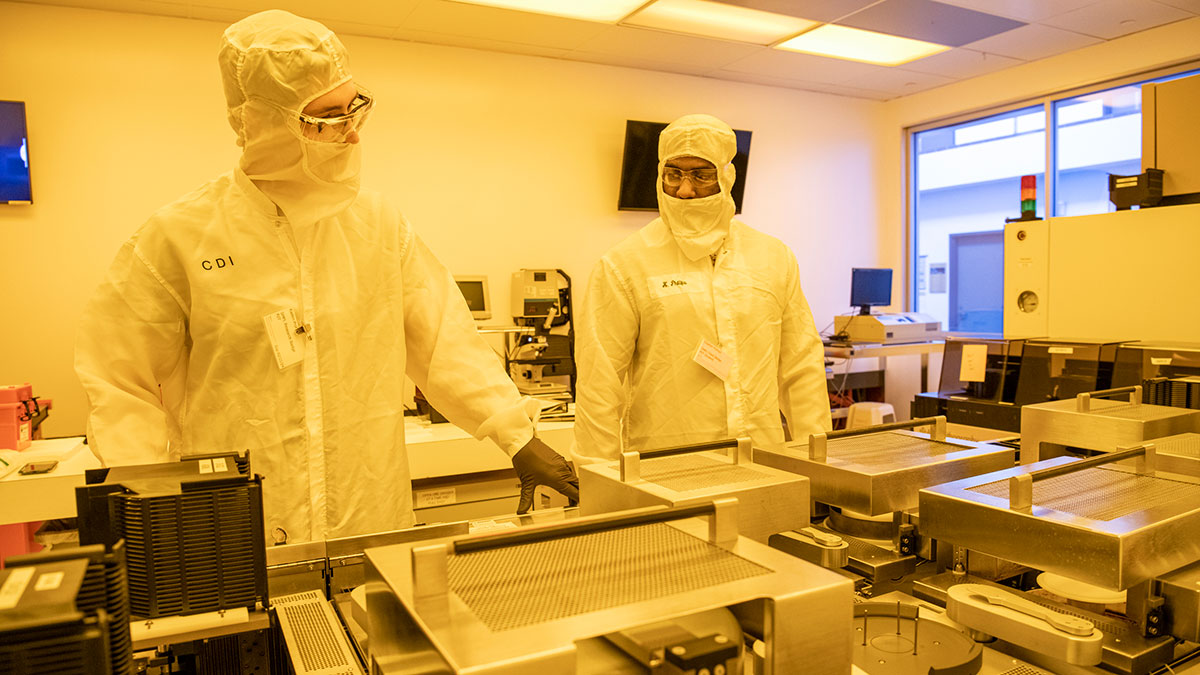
(433, 450)
(48, 495)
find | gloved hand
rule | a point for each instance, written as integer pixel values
(538, 464)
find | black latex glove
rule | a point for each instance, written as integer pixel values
(538, 464)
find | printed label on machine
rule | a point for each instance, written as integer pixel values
(287, 344)
(711, 358)
(974, 363)
(1061, 350)
(423, 499)
(1160, 360)
(14, 586)
(48, 581)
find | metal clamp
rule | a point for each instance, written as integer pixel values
(818, 443)
(631, 462)
(1020, 486)
(1083, 402)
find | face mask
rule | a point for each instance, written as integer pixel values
(308, 180)
(698, 225)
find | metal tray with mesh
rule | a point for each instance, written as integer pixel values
(769, 500)
(1050, 429)
(1105, 525)
(529, 606)
(882, 472)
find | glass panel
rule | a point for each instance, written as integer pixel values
(967, 180)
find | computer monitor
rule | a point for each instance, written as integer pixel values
(870, 287)
(474, 288)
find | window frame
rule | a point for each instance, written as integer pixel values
(1047, 101)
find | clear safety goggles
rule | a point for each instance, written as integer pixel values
(338, 128)
(700, 178)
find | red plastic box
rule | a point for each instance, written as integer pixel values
(18, 413)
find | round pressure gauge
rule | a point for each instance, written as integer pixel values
(1027, 301)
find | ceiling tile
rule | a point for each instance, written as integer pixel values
(227, 14)
(929, 21)
(177, 9)
(1111, 19)
(815, 10)
(470, 42)
(796, 66)
(1033, 42)
(490, 23)
(819, 87)
(899, 82)
(1029, 11)
(628, 61)
(1192, 6)
(961, 63)
(653, 45)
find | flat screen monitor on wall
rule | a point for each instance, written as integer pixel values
(870, 287)
(639, 168)
(14, 154)
(474, 288)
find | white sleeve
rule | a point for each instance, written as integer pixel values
(803, 390)
(605, 342)
(452, 364)
(132, 339)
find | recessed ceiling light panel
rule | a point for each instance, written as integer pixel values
(854, 44)
(718, 20)
(607, 11)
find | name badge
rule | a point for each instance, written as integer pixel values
(711, 358)
(285, 341)
(675, 284)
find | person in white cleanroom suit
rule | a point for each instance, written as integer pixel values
(695, 329)
(279, 307)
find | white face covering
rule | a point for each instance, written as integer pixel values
(273, 64)
(699, 225)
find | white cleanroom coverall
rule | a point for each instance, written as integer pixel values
(696, 274)
(190, 345)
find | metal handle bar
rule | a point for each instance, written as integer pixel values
(818, 443)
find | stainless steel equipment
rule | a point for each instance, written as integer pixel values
(1114, 520)
(544, 599)
(313, 636)
(1093, 520)
(1092, 422)
(878, 470)
(769, 500)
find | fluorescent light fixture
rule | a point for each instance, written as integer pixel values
(608, 11)
(717, 20)
(853, 44)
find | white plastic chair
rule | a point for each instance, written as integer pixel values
(869, 413)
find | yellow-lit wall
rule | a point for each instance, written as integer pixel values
(500, 161)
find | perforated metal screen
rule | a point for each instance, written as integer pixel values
(1099, 493)
(890, 450)
(534, 583)
(1187, 445)
(1130, 411)
(697, 472)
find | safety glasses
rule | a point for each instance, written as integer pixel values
(338, 129)
(700, 178)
